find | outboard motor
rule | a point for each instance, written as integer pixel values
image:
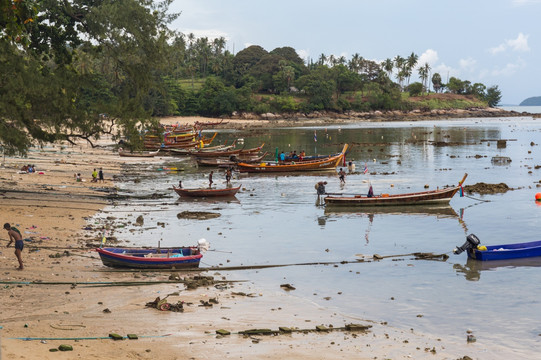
(472, 242)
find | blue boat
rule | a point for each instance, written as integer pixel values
(151, 258)
(498, 252)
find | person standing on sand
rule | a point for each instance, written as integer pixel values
(95, 176)
(100, 175)
(210, 179)
(15, 235)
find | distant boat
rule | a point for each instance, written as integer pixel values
(151, 258)
(440, 196)
(330, 162)
(124, 153)
(206, 192)
(498, 252)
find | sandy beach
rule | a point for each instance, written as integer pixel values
(62, 297)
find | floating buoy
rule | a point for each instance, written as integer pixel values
(538, 196)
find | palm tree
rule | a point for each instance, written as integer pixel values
(322, 59)
(423, 74)
(427, 70)
(411, 62)
(399, 63)
(388, 66)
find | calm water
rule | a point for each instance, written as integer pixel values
(275, 221)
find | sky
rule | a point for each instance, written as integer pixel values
(494, 42)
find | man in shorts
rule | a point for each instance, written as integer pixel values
(15, 235)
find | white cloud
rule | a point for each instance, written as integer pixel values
(509, 69)
(467, 64)
(497, 49)
(304, 54)
(445, 71)
(518, 44)
(428, 57)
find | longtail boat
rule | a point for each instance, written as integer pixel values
(498, 252)
(252, 150)
(231, 161)
(440, 196)
(190, 151)
(178, 145)
(215, 154)
(138, 153)
(328, 163)
(206, 192)
(151, 258)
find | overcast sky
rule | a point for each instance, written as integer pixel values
(495, 42)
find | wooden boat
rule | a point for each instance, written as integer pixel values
(231, 161)
(440, 196)
(177, 145)
(207, 192)
(215, 154)
(196, 149)
(138, 153)
(252, 150)
(329, 163)
(151, 258)
(498, 252)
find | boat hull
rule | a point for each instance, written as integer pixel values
(206, 192)
(329, 163)
(507, 252)
(170, 258)
(420, 198)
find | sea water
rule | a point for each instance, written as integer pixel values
(274, 220)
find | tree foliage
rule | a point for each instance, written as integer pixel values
(86, 65)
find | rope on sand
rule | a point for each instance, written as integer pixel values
(67, 326)
(81, 338)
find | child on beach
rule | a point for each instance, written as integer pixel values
(15, 235)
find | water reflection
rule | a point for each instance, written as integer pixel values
(473, 268)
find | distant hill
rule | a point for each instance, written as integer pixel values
(533, 101)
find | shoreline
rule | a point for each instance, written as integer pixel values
(56, 209)
(251, 120)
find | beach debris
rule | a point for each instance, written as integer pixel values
(357, 327)
(116, 336)
(287, 287)
(198, 215)
(197, 281)
(258, 332)
(140, 220)
(132, 336)
(65, 347)
(471, 338)
(285, 329)
(163, 305)
(223, 332)
(106, 311)
(59, 255)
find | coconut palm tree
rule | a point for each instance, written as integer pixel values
(388, 66)
(411, 62)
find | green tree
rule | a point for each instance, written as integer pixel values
(121, 42)
(493, 96)
(415, 89)
(436, 82)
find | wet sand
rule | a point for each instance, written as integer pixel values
(54, 211)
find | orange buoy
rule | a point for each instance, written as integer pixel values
(538, 196)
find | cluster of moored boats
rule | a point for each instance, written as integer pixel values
(182, 141)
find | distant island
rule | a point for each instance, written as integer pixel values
(532, 101)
